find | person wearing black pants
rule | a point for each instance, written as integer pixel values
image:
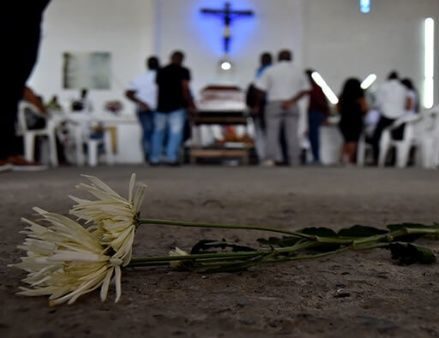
(391, 100)
(382, 124)
(22, 26)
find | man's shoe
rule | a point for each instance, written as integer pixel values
(18, 163)
(173, 164)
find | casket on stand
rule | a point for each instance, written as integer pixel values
(222, 113)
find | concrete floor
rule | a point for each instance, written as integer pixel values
(284, 197)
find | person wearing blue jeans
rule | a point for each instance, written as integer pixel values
(173, 123)
(146, 119)
(315, 120)
(173, 101)
(318, 110)
(143, 92)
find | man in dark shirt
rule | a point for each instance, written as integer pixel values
(174, 99)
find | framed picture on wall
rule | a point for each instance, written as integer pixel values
(90, 70)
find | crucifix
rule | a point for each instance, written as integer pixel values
(227, 14)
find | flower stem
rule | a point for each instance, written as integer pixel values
(219, 257)
(146, 260)
(224, 226)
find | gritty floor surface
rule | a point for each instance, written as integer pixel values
(296, 299)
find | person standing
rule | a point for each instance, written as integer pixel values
(143, 92)
(412, 101)
(391, 100)
(83, 103)
(21, 21)
(174, 98)
(256, 103)
(318, 110)
(352, 107)
(284, 86)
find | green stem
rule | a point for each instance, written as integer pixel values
(223, 261)
(147, 260)
(305, 257)
(223, 226)
(214, 257)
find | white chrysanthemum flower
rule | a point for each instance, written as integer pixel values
(175, 253)
(65, 261)
(114, 215)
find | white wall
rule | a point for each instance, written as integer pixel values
(341, 42)
(329, 35)
(276, 24)
(124, 28)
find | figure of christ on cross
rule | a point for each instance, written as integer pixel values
(227, 14)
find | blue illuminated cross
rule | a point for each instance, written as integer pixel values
(227, 14)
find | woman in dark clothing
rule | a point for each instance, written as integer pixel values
(352, 106)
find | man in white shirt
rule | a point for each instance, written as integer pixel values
(391, 99)
(143, 92)
(284, 86)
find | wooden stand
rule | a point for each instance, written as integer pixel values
(219, 151)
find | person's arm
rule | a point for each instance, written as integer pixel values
(409, 104)
(292, 101)
(187, 95)
(261, 88)
(305, 89)
(363, 105)
(260, 99)
(131, 95)
(30, 96)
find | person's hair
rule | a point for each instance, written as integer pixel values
(408, 83)
(351, 92)
(285, 55)
(393, 75)
(177, 57)
(153, 63)
(308, 73)
(266, 59)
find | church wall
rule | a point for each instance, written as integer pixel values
(123, 28)
(276, 24)
(341, 42)
(329, 35)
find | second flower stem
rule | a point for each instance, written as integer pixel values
(224, 226)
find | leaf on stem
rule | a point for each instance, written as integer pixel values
(360, 231)
(410, 237)
(281, 242)
(322, 233)
(407, 253)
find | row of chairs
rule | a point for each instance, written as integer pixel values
(79, 134)
(420, 132)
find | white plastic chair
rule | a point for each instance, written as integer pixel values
(29, 135)
(81, 135)
(411, 138)
(93, 149)
(430, 139)
(362, 150)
